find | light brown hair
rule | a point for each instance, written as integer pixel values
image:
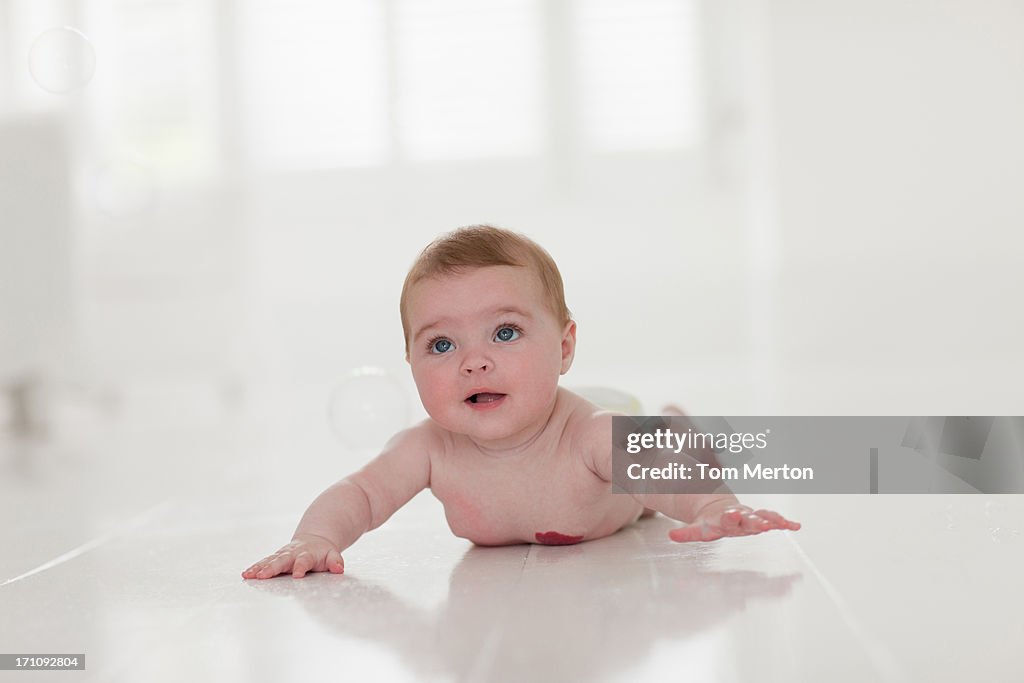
(478, 246)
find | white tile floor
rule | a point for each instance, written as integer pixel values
(137, 566)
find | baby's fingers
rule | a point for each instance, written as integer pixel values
(278, 564)
(335, 563)
(256, 568)
(304, 562)
(270, 566)
(743, 522)
(778, 521)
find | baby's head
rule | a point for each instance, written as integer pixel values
(487, 331)
(480, 246)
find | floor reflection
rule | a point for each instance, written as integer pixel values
(546, 613)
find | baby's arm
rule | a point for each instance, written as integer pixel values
(353, 506)
(709, 516)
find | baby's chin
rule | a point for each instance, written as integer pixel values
(496, 423)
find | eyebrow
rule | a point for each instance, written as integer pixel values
(498, 311)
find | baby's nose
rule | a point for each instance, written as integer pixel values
(477, 365)
(480, 367)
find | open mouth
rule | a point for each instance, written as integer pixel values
(485, 398)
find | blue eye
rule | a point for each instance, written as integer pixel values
(440, 346)
(507, 334)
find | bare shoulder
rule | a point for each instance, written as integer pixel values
(591, 440)
(424, 437)
(406, 456)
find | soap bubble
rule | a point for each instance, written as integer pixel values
(61, 60)
(368, 407)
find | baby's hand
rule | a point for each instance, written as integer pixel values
(716, 521)
(306, 553)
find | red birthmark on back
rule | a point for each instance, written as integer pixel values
(555, 538)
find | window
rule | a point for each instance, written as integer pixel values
(154, 96)
(635, 65)
(314, 83)
(470, 78)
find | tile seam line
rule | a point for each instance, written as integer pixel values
(125, 527)
(877, 653)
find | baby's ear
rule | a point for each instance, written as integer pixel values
(568, 345)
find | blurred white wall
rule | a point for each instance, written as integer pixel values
(757, 206)
(35, 259)
(900, 155)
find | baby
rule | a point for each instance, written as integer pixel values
(513, 457)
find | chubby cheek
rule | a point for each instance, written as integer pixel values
(539, 376)
(434, 394)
